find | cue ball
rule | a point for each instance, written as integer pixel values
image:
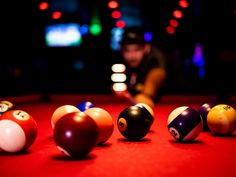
(85, 105)
(61, 111)
(134, 122)
(203, 111)
(104, 122)
(75, 134)
(184, 123)
(18, 131)
(5, 106)
(221, 119)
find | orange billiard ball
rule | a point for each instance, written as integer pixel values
(61, 111)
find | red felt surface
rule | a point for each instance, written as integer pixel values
(158, 154)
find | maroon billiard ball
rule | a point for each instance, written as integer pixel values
(203, 111)
(75, 134)
(18, 131)
(134, 123)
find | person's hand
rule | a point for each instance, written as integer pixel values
(142, 98)
(124, 95)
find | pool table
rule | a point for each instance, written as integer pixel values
(157, 155)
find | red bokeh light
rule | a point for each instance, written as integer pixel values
(173, 23)
(43, 6)
(56, 15)
(183, 3)
(116, 14)
(113, 4)
(177, 14)
(120, 24)
(170, 30)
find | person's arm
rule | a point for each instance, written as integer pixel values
(153, 82)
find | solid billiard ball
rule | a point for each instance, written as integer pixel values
(85, 105)
(184, 123)
(61, 111)
(18, 131)
(104, 122)
(5, 106)
(203, 111)
(75, 134)
(134, 123)
(221, 119)
(146, 108)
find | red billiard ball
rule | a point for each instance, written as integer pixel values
(104, 121)
(75, 134)
(18, 131)
(5, 106)
(61, 111)
(203, 111)
(134, 123)
(184, 123)
(221, 119)
(85, 105)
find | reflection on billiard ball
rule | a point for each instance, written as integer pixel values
(5, 106)
(18, 131)
(184, 123)
(85, 105)
(134, 122)
(221, 119)
(61, 111)
(203, 111)
(104, 122)
(75, 134)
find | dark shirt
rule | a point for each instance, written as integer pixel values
(136, 76)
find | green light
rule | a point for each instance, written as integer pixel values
(95, 29)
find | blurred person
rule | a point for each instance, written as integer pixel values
(145, 68)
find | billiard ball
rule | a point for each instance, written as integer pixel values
(203, 111)
(184, 123)
(85, 105)
(134, 123)
(104, 122)
(221, 119)
(146, 108)
(75, 134)
(5, 106)
(18, 131)
(61, 111)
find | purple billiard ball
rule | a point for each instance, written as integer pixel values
(184, 123)
(76, 134)
(203, 111)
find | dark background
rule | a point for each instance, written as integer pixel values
(29, 66)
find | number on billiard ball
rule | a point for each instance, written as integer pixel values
(5, 106)
(18, 131)
(184, 123)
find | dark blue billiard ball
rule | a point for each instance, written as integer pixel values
(85, 105)
(203, 111)
(184, 123)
